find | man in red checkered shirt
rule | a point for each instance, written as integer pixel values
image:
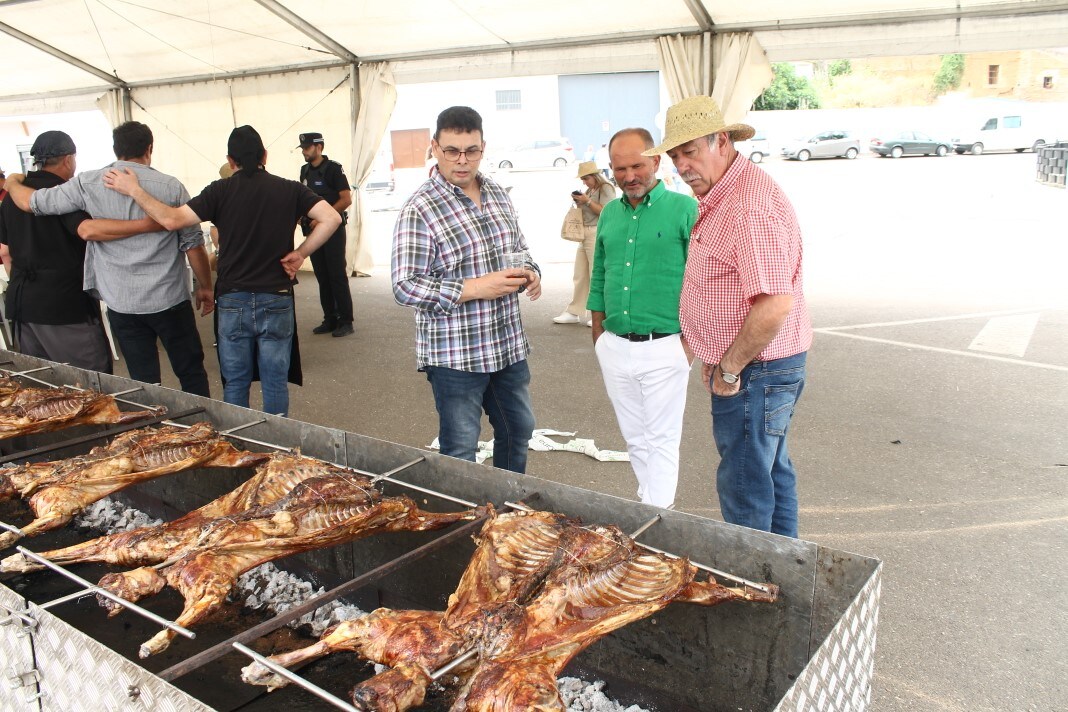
(742, 312)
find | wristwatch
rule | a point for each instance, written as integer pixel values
(728, 378)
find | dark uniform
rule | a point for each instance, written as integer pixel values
(328, 262)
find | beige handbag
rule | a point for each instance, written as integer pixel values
(572, 230)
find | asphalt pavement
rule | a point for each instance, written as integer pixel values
(931, 434)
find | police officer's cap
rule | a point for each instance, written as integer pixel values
(307, 139)
(52, 144)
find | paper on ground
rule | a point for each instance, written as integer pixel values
(541, 442)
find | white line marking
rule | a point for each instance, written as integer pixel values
(906, 322)
(1008, 335)
(936, 349)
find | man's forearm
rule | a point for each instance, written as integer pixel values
(763, 322)
(20, 194)
(198, 260)
(160, 212)
(100, 230)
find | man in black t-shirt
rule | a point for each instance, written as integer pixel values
(52, 317)
(326, 178)
(255, 213)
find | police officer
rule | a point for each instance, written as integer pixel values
(327, 179)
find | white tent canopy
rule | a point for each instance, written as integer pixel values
(196, 68)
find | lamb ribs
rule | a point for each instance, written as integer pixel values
(39, 410)
(59, 490)
(539, 589)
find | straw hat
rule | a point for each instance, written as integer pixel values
(225, 171)
(587, 168)
(695, 117)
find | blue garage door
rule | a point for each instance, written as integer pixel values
(595, 106)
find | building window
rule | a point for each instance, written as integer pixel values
(992, 74)
(1047, 82)
(509, 100)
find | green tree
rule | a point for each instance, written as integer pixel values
(949, 74)
(787, 91)
(839, 67)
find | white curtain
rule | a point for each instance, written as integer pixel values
(111, 105)
(731, 68)
(376, 98)
(741, 72)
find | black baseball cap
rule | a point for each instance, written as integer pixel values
(307, 139)
(52, 144)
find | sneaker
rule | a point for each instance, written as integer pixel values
(565, 317)
(342, 330)
(325, 328)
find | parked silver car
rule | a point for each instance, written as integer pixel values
(543, 153)
(828, 144)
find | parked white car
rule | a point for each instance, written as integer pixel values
(755, 149)
(1014, 132)
(542, 153)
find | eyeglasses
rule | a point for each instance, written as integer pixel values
(453, 154)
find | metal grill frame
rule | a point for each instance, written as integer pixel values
(812, 650)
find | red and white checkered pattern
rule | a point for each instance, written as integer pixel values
(746, 242)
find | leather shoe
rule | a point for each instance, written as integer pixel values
(565, 317)
(325, 328)
(342, 330)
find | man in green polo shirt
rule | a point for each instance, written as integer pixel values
(642, 243)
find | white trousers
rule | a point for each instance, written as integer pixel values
(646, 382)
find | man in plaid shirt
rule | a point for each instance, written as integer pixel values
(460, 261)
(743, 312)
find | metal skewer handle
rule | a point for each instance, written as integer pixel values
(295, 679)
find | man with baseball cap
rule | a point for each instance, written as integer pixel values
(743, 312)
(255, 212)
(53, 317)
(327, 179)
(143, 278)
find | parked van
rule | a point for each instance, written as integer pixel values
(1003, 133)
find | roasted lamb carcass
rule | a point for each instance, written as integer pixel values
(153, 545)
(317, 513)
(57, 408)
(132, 457)
(538, 591)
(9, 388)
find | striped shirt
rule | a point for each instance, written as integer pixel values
(746, 242)
(441, 239)
(142, 274)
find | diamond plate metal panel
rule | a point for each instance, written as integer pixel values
(16, 657)
(838, 676)
(78, 673)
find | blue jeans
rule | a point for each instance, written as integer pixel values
(256, 328)
(461, 396)
(756, 481)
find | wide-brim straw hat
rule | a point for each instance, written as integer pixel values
(695, 117)
(587, 168)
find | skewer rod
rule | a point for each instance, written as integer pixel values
(242, 427)
(295, 679)
(32, 370)
(93, 588)
(11, 528)
(454, 663)
(272, 446)
(642, 529)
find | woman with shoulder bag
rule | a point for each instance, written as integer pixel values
(599, 192)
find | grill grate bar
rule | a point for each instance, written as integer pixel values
(295, 679)
(93, 588)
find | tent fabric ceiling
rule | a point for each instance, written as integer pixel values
(150, 42)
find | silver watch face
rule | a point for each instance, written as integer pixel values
(730, 378)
